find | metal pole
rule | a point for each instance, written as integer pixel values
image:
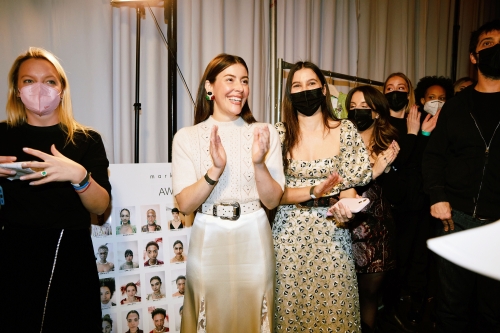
(137, 104)
(273, 108)
(171, 16)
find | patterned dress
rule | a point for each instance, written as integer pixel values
(373, 232)
(316, 288)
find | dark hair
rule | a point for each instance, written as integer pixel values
(291, 121)
(181, 308)
(180, 277)
(129, 252)
(383, 132)
(152, 243)
(428, 81)
(107, 318)
(485, 28)
(103, 247)
(155, 278)
(460, 81)
(175, 210)
(411, 93)
(203, 108)
(131, 284)
(157, 311)
(133, 311)
(178, 242)
(122, 211)
(108, 283)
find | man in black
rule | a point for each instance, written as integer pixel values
(461, 169)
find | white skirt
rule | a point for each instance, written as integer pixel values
(230, 275)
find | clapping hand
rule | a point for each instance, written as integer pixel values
(413, 120)
(430, 122)
(385, 159)
(327, 185)
(261, 144)
(217, 151)
(55, 168)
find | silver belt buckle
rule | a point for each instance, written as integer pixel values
(236, 210)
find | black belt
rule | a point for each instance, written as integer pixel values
(319, 202)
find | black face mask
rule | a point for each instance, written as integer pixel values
(397, 100)
(489, 62)
(362, 118)
(307, 102)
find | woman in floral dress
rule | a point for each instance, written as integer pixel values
(316, 287)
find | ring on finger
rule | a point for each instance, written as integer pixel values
(43, 173)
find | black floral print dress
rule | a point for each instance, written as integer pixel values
(316, 286)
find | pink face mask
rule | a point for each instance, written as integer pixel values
(40, 98)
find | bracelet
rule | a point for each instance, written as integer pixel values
(83, 182)
(210, 181)
(85, 188)
(424, 133)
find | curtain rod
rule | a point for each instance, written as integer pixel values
(287, 65)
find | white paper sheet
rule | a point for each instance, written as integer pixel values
(476, 249)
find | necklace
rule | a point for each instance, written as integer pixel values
(159, 295)
(103, 263)
(156, 262)
(161, 330)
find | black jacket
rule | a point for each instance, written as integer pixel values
(455, 167)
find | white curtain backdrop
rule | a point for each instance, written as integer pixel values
(96, 45)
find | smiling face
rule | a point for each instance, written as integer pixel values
(155, 286)
(152, 251)
(159, 321)
(133, 321)
(230, 90)
(105, 295)
(39, 71)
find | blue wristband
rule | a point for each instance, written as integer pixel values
(424, 133)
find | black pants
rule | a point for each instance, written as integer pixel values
(466, 301)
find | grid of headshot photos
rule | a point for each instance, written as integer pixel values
(141, 252)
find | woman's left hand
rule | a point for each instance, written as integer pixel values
(430, 122)
(413, 120)
(56, 168)
(340, 213)
(261, 144)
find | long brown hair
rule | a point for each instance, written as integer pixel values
(383, 132)
(204, 108)
(291, 122)
(16, 111)
(411, 94)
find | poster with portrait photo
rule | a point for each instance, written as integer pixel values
(151, 218)
(178, 248)
(133, 319)
(177, 315)
(159, 319)
(107, 288)
(128, 255)
(127, 223)
(109, 323)
(153, 252)
(176, 220)
(155, 286)
(101, 225)
(129, 289)
(104, 257)
(178, 282)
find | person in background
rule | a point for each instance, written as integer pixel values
(125, 226)
(178, 250)
(151, 225)
(176, 222)
(462, 83)
(103, 266)
(156, 283)
(107, 290)
(133, 322)
(49, 210)
(323, 157)
(131, 290)
(373, 228)
(152, 253)
(432, 92)
(403, 189)
(181, 285)
(159, 317)
(224, 167)
(107, 324)
(129, 263)
(460, 165)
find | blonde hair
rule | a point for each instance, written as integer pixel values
(16, 111)
(411, 93)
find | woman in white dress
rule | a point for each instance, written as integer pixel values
(224, 167)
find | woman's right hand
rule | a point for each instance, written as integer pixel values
(385, 159)
(7, 172)
(327, 185)
(413, 120)
(217, 153)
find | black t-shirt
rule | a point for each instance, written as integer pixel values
(486, 111)
(55, 204)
